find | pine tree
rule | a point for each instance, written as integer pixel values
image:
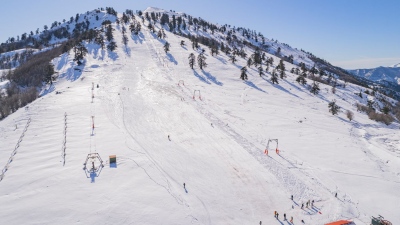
(138, 28)
(166, 47)
(48, 76)
(124, 37)
(214, 50)
(159, 34)
(370, 104)
(313, 70)
(278, 51)
(99, 39)
(243, 74)
(80, 52)
(322, 73)
(233, 58)
(249, 62)
(260, 71)
(274, 77)
(300, 79)
(297, 71)
(314, 88)
(109, 34)
(333, 107)
(192, 59)
(256, 57)
(201, 61)
(112, 46)
(270, 61)
(184, 25)
(281, 68)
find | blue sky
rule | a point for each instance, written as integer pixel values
(347, 33)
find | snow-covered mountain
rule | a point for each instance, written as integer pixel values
(380, 74)
(396, 65)
(194, 146)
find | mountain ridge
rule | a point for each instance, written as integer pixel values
(194, 145)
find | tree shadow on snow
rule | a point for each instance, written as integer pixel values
(50, 89)
(93, 49)
(172, 59)
(251, 84)
(221, 59)
(201, 78)
(74, 72)
(64, 59)
(138, 38)
(294, 86)
(112, 55)
(127, 50)
(211, 78)
(277, 86)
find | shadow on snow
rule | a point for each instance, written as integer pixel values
(206, 77)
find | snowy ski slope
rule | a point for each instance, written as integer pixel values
(216, 146)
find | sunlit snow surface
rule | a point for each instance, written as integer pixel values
(216, 145)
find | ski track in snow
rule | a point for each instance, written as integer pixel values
(229, 180)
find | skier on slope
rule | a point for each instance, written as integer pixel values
(284, 216)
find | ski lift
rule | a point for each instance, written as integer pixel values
(272, 140)
(181, 82)
(199, 94)
(95, 163)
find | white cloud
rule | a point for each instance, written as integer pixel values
(366, 63)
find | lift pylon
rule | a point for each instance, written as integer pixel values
(199, 94)
(267, 148)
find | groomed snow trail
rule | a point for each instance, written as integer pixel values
(215, 146)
